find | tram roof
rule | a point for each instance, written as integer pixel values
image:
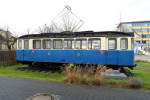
(79, 34)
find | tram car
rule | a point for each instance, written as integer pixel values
(109, 48)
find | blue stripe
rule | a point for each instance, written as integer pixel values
(109, 57)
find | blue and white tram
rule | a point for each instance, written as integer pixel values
(109, 48)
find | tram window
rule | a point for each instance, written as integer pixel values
(78, 44)
(19, 44)
(81, 44)
(46, 44)
(84, 44)
(26, 44)
(132, 43)
(37, 44)
(94, 44)
(57, 44)
(68, 44)
(124, 43)
(112, 44)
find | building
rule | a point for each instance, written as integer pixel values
(6, 39)
(141, 30)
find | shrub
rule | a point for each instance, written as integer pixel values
(139, 60)
(91, 76)
(71, 75)
(84, 79)
(134, 83)
(97, 80)
(83, 76)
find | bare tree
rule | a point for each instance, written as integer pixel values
(47, 28)
(66, 20)
(10, 40)
(70, 23)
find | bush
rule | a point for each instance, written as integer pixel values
(84, 79)
(71, 75)
(134, 83)
(83, 76)
(91, 76)
(97, 80)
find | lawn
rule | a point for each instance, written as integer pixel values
(12, 71)
(142, 72)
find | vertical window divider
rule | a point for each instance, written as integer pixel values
(86, 44)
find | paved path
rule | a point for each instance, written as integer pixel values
(143, 57)
(20, 89)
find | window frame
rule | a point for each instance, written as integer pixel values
(90, 43)
(132, 43)
(81, 43)
(126, 47)
(43, 41)
(72, 43)
(20, 46)
(40, 43)
(27, 43)
(115, 43)
(54, 46)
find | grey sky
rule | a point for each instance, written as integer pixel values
(98, 15)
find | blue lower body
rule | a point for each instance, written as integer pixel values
(124, 58)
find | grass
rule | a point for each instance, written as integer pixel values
(141, 72)
(12, 71)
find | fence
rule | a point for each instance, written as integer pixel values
(7, 57)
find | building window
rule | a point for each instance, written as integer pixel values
(26, 44)
(144, 42)
(46, 44)
(112, 44)
(57, 44)
(94, 44)
(36, 44)
(137, 41)
(146, 35)
(19, 44)
(124, 43)
(68, 44)
(81, 44)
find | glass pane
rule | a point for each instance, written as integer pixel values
(19, 44)
(78, 44)
(94, 44)
(26, 44)
(84, 44)
(37, 44)
(124, 44)
(68, 44)
(112, 44)
(57, 44)
(90, 44)
(46, 44)
(132, 43)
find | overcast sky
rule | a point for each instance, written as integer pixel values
(98, 15)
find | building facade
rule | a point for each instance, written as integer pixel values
(141, 30)
(4, 38)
